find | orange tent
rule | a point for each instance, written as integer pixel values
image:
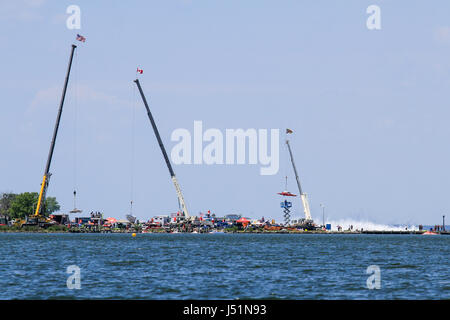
(111, 220)
(243, 221)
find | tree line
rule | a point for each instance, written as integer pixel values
(17, 206)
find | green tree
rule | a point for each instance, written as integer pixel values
(5, 203)
(24, 204)
(51, 206)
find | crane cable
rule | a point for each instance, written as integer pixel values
(286, 164)
(133, 121)
(75, 134)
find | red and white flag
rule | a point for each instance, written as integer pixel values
(81, 38)
(139, 71)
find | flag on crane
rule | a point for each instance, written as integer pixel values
(139, 71)
(81, 38)
(289, 131)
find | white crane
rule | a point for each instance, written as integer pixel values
(302, 195)
(163, 150)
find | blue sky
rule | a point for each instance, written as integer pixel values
(369, 109)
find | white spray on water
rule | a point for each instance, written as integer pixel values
(368, 225)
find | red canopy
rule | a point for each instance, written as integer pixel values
(243, 220)
(111, 220)
(287, 194)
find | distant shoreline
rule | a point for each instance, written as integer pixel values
(45, 231)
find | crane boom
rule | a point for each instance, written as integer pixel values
(163, 150)
(302, 195)
(40, 208)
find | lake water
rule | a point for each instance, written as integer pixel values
(223, 266)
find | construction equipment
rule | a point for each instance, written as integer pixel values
(286, 205)
(308, 218)
(131, 218)
(38, 218)
(75, 210)
(181, 202)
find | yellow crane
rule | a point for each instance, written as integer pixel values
(38, 218)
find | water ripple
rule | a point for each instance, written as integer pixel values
(223, 266)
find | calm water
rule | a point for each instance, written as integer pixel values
(223, 266)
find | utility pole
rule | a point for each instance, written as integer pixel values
(443, 222)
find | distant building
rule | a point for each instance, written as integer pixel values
(3, 220)
(82, 220)
(232, 217)
(161, 220)
(60, 218)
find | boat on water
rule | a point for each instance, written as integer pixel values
(215, 231)
(430, 233)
